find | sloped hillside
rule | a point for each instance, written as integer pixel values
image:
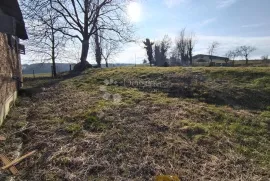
(135, 123)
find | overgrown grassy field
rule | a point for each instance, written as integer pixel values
(37, 75)
(134, 123)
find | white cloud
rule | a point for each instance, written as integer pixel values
(253, 25)
(207, 21)
(133, 53)
(225, 3)
(231, 42)
(172, 3)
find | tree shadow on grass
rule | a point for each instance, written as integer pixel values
(32, 86)
(241, 98)
(218, 93)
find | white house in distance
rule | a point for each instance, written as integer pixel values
(201, 58)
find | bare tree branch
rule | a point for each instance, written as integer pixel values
(212, 49)
(45, 41)
(245, 51)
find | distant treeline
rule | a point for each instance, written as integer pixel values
(60, 67)
(44, 68)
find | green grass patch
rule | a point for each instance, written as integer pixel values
(265, 114)
(92, 123)
(73, 128)
(211, 109)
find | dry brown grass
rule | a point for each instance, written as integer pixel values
(80, 136)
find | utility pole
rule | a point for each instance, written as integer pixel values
(135, 60)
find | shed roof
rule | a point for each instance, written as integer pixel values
(12, 8)
(214, 57)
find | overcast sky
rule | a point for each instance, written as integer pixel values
(230, 22)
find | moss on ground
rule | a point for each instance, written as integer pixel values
(93, 123)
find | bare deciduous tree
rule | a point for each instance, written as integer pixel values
(245, 51)
(184, 46)
(231, 55)
(161, 51)
(98, 51)
(104, 48)
(228, 56)
(109, 50)
(45, 42)
(190, 46)
(85, 17)
(181, 46)
(212, 49)
(165, 45)
(264, 57)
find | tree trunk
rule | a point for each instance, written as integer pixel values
(84, 53)
(53, 59)
(246, 60)
(53, 55)
(98, 50)
(190, 57)
(85, 42)
(182, 59)
(210, 64)
(106, 61)
(54, 67)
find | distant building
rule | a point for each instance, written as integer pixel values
(202, 59)
(207, 58)
(12, 29)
